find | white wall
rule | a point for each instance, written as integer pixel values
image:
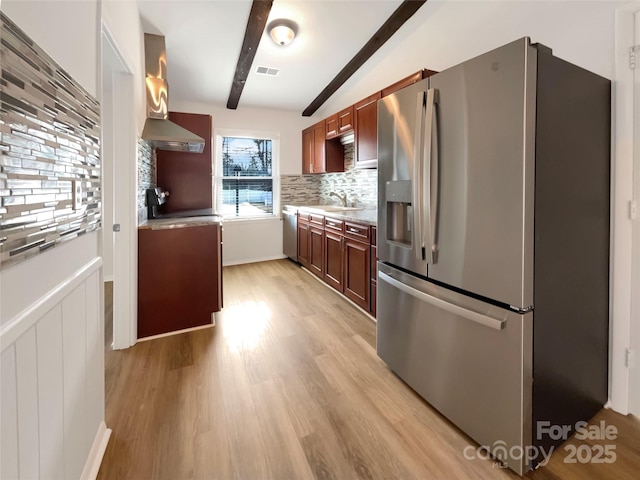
(248, 241)
(443, 34)
(288, 124)
(51, 320)
(66, 30)
(52, 367)
(123, 20)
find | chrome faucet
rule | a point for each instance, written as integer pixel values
(343, 197)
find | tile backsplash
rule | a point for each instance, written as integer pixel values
(299, 189)
(360, 184)
(49, 139)
(147, 178)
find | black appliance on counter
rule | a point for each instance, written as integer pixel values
(156, 197)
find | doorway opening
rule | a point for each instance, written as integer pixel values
(119, 233)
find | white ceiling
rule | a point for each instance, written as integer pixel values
(203, 40)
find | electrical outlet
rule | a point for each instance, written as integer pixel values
(76, 186)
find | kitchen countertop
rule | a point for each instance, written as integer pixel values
(367, 215)
(180, 222)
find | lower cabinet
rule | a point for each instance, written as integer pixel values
(374, 270)
(316, 251)
(179, 278)
(334, 260)
(340, 253)
(303, 243)
(357, 282)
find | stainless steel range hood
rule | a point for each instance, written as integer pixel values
(162, 133)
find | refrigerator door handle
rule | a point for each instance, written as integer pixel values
(482, 319)
(417, 190)
(429, 235)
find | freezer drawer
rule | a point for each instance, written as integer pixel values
(468, 359)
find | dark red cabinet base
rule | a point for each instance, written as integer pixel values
(179, 278)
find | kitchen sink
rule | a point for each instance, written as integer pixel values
(332, 208)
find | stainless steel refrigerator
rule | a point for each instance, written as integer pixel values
(493, 245)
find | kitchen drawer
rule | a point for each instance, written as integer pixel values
(303, 217)
(357, 231)
(316, 219)
(334, 224)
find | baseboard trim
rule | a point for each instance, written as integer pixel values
(253, 260)
(178, 332)
(322, 282)
(96, 454)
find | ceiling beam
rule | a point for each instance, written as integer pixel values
(255, 27)
(403, 13)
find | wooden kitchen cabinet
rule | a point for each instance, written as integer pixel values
(340, 253)
(400, 84)
(365, 114)
(357, 282)
(307, 150)
(303, 242)
(179, 278)
(339, 123)
(357, 264)
(316, 250)
(334, 254)
(319, 150)
(374, 271)
(318, 154)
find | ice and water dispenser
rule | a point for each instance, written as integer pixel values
(399, 212)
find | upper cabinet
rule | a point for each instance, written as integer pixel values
(322, 151)
(339, 123)
(365, 114)
(307, 150)
(366, 120)
(318, 154)
(405, 82)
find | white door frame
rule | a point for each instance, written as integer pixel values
(123, 195)
(623, 324)
(634, 377)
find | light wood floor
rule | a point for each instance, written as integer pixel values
(288, 386)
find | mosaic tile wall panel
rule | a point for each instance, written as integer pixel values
(49, 139)
(299, 189)
(360, 185)
(147, 177)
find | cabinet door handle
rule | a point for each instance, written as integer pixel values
(354, 230)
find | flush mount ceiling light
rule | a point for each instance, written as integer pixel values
(282, 31)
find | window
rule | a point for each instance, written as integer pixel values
(246, 180)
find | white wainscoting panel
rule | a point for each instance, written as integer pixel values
(52, 379)
(95, 355)
(77, 442)
(8, 415)
(28, 416)
(51, 393)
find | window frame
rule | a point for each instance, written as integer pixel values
(275, 170)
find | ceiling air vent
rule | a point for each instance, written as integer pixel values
(272, 72)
